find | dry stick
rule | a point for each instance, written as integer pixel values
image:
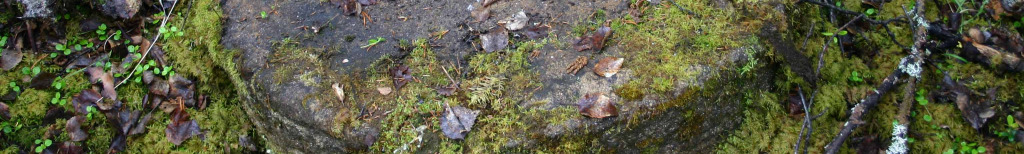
(807, 119)
(858, 111)
(899, 139)
(910, 65)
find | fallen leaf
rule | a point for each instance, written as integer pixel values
(384, 90)
(458, 121)
(140, 126)
(96, 74)
(593, 41)
(9, 59)
(339, 91)
(480, 14)
(537, 32)
(488, 2)
(516, 22)
(42, 81)
(447, 90)
(181, 128)
(84, 99)
(494, 40)
(183, 88)
(74, 128)
(69, 147)
(400, 75)
(367, 2)
(119, 140)
(596, 105)
(608, 66)
(159, 87)
(5, 112)
(349, 7)
(973, 111)
(127, 120)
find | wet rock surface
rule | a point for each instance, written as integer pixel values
(324, 43)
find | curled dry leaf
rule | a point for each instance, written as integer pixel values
(5, 112)
(86, 98)
(42, 80)
(494, 40)
(74, 128)
(367, 2)
(457, 121)
(349, 7)
(447, 90)
(593, 41)
(516, 22)
(608, 66)
(69, 147)
(400, 75)
(339, 90)
(384, 90)
(537, 32)
(974, 112)
(480, 14)
(96, 74)
(9, 59)
(596, 105)
(181, 128)
(183, 88)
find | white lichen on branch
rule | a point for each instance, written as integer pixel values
(899, 141)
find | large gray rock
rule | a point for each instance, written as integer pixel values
(283, 104)
(37, 8)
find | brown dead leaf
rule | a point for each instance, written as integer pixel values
(339, 90)
(480, 14)
(384, 90)
(400, 75)
(181, 127)
(593, 41)
(5, 111)
(447, 90)
(608, 66)
(458, 121)
(596, 105)
(96, 74)
(537, 32)
(9, 59)
(84, 99)
(495, 40)
(74, 128)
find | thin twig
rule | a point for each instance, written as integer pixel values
(153, 43)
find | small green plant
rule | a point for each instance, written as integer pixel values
(8, 127)
(168, 33)
(835, 38)
(921, 97)
(101, 31)
(855, 77)
(3, 43)
(373, 42)
(42, 144)
(971, 148)
(263, 14)
(870, 12)
(1011, 132)
(89, 110)
(56, 98)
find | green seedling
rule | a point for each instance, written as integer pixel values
(372, 42)
(263, 14)
(921, 98)
(870, 12)
(42, 144)
(855, 77)
(15, 87)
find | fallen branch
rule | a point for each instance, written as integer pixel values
(858, 111)
(911, 66)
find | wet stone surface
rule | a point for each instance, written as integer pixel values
(300, 48)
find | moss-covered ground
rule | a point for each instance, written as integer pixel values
(196, 54)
